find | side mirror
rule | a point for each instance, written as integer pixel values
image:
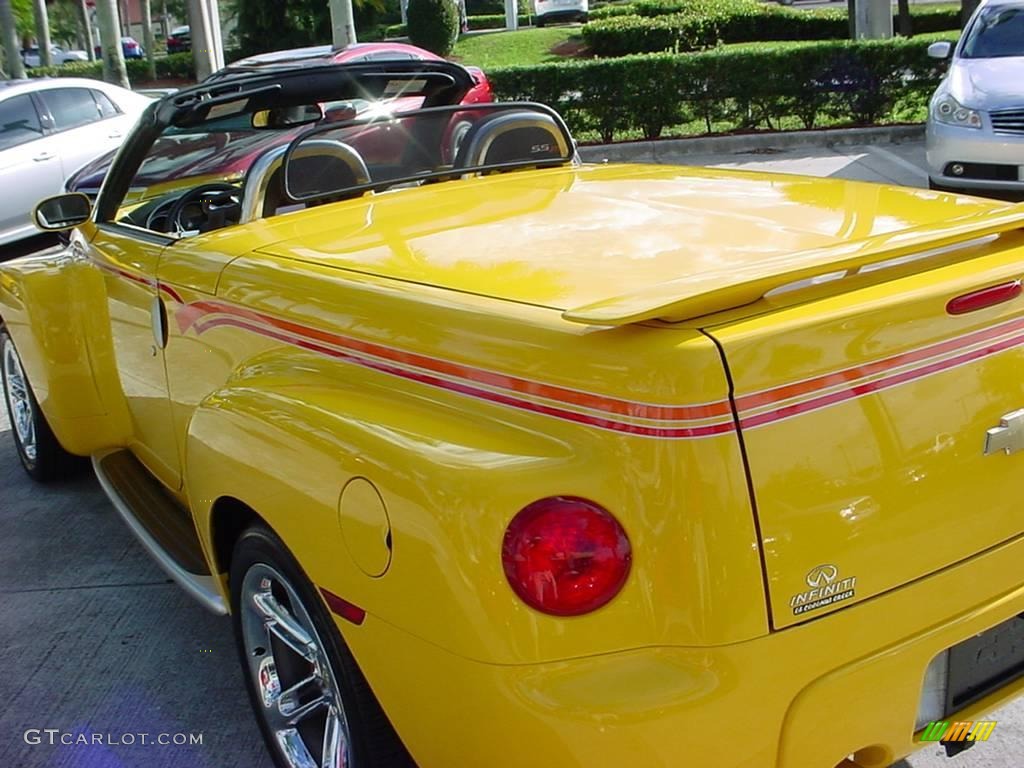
(940, 50)
(56, 214)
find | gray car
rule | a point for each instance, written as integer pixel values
(975, 129)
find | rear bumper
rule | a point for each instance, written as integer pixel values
(562, 14)
(806, 696)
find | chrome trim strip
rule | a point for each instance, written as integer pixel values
(201, 588)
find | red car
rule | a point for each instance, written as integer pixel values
(361, 52)
(129, 47)
(180, 40)
(196, 155)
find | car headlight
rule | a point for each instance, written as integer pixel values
(948, 110)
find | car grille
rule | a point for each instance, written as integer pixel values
(1008, 120)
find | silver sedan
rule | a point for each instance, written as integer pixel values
(48, 129)
(975, 129)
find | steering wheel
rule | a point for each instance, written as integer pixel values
(205, 208)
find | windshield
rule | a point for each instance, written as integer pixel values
(996, 32)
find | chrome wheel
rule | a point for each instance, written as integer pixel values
(19, 402)
(298, 696)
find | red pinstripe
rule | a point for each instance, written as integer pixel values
(468, 390)
(878, 385)
(207, 314)
(788, 391)
(478, 376)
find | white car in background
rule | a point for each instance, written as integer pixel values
(48, 129)
(975, 129)
(58, 55)
(554, 11)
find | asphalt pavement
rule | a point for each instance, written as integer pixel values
(97, 643)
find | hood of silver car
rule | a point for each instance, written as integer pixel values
(987, 83)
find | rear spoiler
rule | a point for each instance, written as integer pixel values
(697, 295)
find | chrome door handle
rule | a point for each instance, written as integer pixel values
(115, 135)
(1008, 436)
(43, 156)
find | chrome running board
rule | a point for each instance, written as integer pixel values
(159, 523)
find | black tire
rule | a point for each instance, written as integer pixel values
(539, 23)
(373, 741)
(44, 459)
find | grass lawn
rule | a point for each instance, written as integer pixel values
(524, 47)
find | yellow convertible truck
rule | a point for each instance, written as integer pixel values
(500, 460)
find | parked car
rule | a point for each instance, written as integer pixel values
(237, 162)
(179, 40)
(975, 129)
(48, 129)
(497, 459)
(357, 53)
(31, 57)
(555, 11)
(130, 48)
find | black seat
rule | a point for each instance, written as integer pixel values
(510, 137)
(320, 171)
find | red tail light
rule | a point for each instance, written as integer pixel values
(986, 297)
(566, 556)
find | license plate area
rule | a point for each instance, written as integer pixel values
(984, 663)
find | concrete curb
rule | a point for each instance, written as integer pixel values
(659, 151)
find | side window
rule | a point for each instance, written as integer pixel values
(19, 121)
(105, 105)
(70, 107)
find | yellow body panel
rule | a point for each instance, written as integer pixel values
(413, 342)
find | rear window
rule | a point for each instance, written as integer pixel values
(70, 107)
(104, 104)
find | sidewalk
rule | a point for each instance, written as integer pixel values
(887, 156)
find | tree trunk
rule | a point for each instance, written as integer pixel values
(204, 23)
(90, 44)
(147, 38)
(165, 24)
(343, 27)
(114, 70)
(906, 29)
(42, 32)
(13, 64)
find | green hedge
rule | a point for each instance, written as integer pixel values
(741, 87)
(668, 25)
(177, 66)
(669, 7)
(496, 21)
(493, 7)
(433, 24)
(611, 11)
